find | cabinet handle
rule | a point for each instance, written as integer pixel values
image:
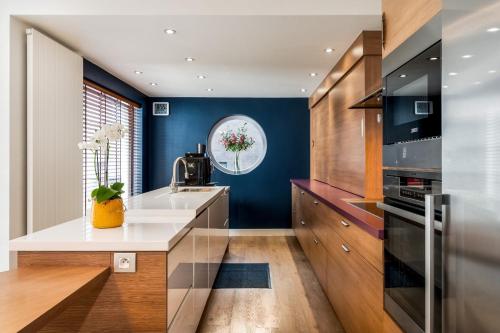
(344, 223)
(302, 222)
(362, 126)
(302, 192)
(383, 31)
(315, 202)
(345, 248)
(316, 241)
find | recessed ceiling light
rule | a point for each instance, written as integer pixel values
(313, 74)
(493, 29)
(452, 74)
(303, 90)
(153, 84)
(328, 50)
(433, 58)
(210, 89)
(201, 77)
(467, 56)
(477, 83)
(138, 72)
(189, 59)
(445, 87)
(169, 31)
(402, 76)
(492, 71)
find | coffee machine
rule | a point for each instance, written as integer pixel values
(198, 168)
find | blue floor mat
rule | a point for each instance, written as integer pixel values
(236, 275)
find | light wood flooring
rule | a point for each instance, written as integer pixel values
(296, 302)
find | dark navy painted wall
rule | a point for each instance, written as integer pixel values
(260, 199)
(101, 77)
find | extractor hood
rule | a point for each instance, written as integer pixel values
(371, 101)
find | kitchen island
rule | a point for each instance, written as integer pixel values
(163, 262)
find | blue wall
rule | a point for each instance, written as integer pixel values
(101, 77)
(260, 199)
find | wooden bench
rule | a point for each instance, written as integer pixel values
(31, 296)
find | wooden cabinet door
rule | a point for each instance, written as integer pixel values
(320, 147)
(347, 158)
(355, 289)
(402, 18)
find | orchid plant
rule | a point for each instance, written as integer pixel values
(237, 142)
(99, 145)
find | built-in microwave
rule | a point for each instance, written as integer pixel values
(412, 99)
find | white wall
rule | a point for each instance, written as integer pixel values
(17, 155)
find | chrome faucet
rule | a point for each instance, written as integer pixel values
(173, 183)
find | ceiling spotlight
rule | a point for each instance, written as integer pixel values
(445, 87)
(452, 74)
(169, 31)
(467, 56)
(201, 77)
(210, 89)
(138, 72)
(303, 90)
(189, 59)
(328, 50)
(433, 58)
(402, 76)
(477, 83)
(153, 84)
(493, 29)
(492, 71)
(313, 74)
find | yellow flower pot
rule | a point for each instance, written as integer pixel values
(108, 214)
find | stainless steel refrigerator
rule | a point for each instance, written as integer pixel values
(471, 164)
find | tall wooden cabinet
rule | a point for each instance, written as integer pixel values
(346, 144)
(402, 18)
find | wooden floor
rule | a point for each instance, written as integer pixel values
(296, 302)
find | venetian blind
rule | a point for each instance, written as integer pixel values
(100, 107)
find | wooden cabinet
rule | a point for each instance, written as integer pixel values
(402, 18)
(346, 260)
(355, 288)
(346, 144)
(321, 133)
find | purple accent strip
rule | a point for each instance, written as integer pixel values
(333, 198)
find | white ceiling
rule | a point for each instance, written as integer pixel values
(242, 56)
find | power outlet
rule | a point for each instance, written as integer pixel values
(124, 262)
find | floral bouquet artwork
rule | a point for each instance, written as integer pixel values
(107, 204)
(236, 142)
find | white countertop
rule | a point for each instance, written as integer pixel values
(154, 221)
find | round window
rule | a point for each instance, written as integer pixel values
(237, 144)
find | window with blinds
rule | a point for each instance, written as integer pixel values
(101, 106)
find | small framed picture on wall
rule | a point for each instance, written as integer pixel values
(161, 109)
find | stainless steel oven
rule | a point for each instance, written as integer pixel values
(412, 98)
(413, 270)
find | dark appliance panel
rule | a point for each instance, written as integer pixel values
(412, 99)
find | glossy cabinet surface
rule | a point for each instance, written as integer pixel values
(219, 234)
(346, 260)
(193, 265)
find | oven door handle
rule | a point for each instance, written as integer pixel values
(431, 200)
(407, 215)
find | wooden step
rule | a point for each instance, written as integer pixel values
(31, 296)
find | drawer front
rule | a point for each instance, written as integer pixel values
(318, 258)
(185, 320)
(360, 241)
(355, 289)
(312, 215)
(180, 273)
